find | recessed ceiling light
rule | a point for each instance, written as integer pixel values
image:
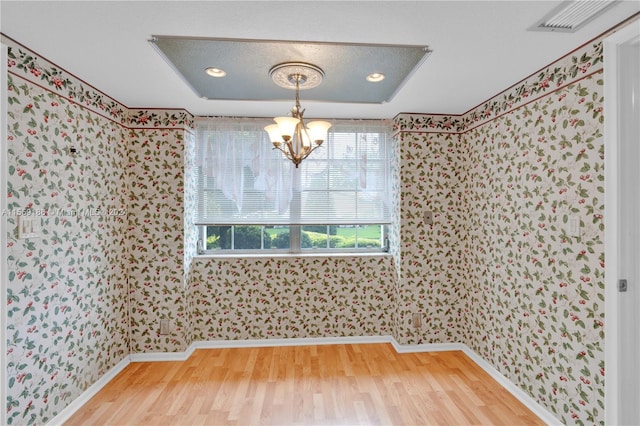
(375, 77)
(215, 72)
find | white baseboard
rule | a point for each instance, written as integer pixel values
(163, 356)
(85, 396)
(426, 347)
(220, 344)
(523, 397)
(305, 341)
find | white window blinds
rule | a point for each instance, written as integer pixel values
(241, 180)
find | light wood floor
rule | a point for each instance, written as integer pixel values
(326, 384)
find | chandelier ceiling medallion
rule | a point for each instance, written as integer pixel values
(290, 135)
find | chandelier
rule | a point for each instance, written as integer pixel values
(290, 135)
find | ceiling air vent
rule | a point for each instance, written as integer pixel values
(569, 16)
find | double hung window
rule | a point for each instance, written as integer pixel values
(250, 198)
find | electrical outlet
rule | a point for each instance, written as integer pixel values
(164, 326)
(574, 226)
(28, 227)
(416, 320)
(428, 218)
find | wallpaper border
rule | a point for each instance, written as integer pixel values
(31, 66)
(565, 71)
(28, 65)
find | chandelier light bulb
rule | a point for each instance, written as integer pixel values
(274, 134)
(287, 126)
(318, 130)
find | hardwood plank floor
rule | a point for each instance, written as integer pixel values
(341, 384)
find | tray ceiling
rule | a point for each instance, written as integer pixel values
(247, 64)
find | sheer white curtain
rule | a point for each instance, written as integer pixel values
(236, 166)
(347, 181)
(243, 180)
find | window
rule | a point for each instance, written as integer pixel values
(251, 198)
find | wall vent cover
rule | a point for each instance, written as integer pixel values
(570, 15)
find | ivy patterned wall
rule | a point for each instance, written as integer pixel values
(157, 276)
(190, 238)
(263, 298)
(536, 305)
(67, 321)
(430, 282)
(91, 289)
(514, 174)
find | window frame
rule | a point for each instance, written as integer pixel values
(295, 205)
(295, 238)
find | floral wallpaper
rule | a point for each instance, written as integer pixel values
(263, 298)
(499, 269)
(190, 237)
(524, 166)
(157, 275)
(156, 237)
(541, 286)
(395, 228)
(431, 258)
(67, 321)
(77, 164)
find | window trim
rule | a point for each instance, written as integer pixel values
(202, 251)
(294, 223)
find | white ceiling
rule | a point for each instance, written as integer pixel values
(479, 47)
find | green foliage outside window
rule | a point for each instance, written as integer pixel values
(245, 237)
(274, 237)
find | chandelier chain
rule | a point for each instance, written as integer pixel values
(297, 143)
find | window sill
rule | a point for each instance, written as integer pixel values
(289, 255)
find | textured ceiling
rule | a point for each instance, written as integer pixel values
(247, 64)
(479, 48)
